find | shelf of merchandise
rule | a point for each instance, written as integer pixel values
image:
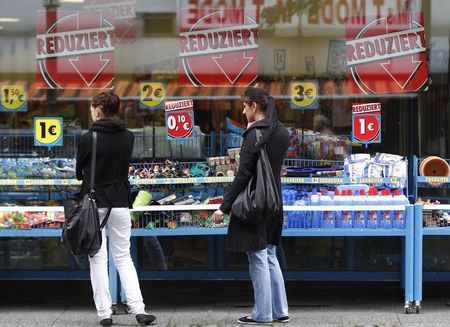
(407, 233)
(204, 180)
(427, 182)
(420, 232)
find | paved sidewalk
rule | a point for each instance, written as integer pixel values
(384, 314)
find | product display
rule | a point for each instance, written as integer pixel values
(15, 168)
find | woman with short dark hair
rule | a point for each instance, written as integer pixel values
(259, 241)
(112, 190)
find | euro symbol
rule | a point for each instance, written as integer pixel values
(21, 98)
(308, 93)
(370, 127)
(186, 126)
(51, 130)
(158, 93)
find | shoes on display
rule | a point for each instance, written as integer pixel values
(250, 321)
(106, 322)
(284, 319)
(145, 319)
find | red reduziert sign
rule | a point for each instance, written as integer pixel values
(218, 47)
(387, 55)
(74, 49)
(123, 13)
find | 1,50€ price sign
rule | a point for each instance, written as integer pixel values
(48, 131)
(179, 119)
(13, 98)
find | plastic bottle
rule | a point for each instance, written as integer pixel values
(386, 215)
(399, 215)
(337, 198)
(316, 215)
(328, 220)
(373, 199)
(347, 216)
(359, 216)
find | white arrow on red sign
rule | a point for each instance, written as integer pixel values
(401, 69)
(233, 64)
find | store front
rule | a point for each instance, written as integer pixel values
(50, 66)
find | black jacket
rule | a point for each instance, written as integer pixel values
(245, 237)
(114, 149)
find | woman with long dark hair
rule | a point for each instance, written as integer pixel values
(259, 241)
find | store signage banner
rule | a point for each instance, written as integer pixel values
(123, 13)
(304, 94)
(13, 98)
(218, 47)
(74, 49)
(366, 123)
(387, 54)
(152, 95)
(179, 119)
(48, 131)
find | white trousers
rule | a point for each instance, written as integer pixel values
(119, 229)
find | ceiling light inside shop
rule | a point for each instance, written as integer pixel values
(8, 20)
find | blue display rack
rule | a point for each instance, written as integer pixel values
(419, 234)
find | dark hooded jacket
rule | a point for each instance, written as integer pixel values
(114, 149)
(242, 236)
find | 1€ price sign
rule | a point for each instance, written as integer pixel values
(13, 98)
(152, 95)
(304, 95)
(366, 123)
(48, 131)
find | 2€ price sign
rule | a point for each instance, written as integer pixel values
(366, 128)
(304, 95)
(152, 95)
(13, 98)
(48, 131)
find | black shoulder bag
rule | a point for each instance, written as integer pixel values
(82, 232)
(260, 198)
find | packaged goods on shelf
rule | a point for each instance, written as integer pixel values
(312, 145)
(381, 165)
(13, 168)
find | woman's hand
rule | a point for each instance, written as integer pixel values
(218, 216)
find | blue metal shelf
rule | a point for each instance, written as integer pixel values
(34, 232)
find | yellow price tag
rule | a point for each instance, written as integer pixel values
(153, 95)
(304, 95)
(14, 98)
(48, 131)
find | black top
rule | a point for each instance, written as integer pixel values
(114, 149)
(246, 237)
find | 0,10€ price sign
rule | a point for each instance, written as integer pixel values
(13, 98)
(304, 95)
(48, 131)
(152, 95)
(179, 119)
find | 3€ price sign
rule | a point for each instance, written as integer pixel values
(48, 131)
(152, 95)
(304, 95)
(366, 123)
(13, 98)
(179, 119)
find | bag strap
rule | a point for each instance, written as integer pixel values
(258, 135)
(94, 159)
(105, 220)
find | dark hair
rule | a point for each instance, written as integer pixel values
(108, 102)
(267, 105)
